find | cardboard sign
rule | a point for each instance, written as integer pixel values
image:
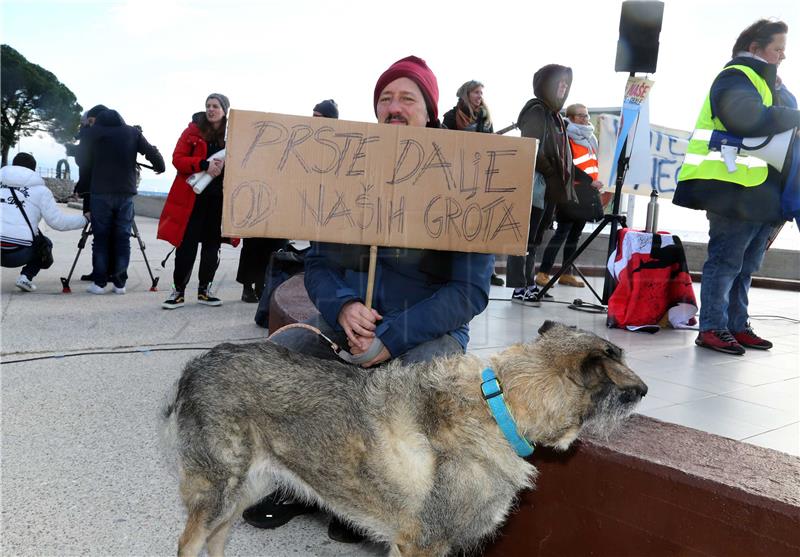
(337, 181)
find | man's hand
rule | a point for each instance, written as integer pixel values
(598, 185)
(358, 323)
(380, 358)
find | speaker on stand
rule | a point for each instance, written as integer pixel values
(637, 51)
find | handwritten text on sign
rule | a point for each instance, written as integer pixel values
(350, 182)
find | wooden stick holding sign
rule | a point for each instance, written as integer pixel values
(373, 262)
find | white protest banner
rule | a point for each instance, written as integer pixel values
(667, 147)
(338, 181)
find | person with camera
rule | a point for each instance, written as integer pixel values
(569, 217)
(109, 149)
(24, 201)
(189, 219)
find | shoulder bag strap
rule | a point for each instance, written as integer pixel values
(16, 200)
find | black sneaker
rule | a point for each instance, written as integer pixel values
(272, 512)
(341, 532)
(497, 281)
(204, 297)
(249, 295)
(174, 301)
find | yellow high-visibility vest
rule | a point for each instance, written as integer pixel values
(703, 163)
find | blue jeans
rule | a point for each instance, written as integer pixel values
(735, 251)
(303, 340)
(112, 219)
(24, 257)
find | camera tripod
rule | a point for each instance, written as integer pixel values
(85, 233)
(616, 220)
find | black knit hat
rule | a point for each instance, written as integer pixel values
(26, 160)
(95, 110)
(328, 108)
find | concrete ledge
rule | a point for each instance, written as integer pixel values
(290, 304)
(757, 282)
(658, 489)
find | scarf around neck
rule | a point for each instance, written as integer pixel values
(583, 134)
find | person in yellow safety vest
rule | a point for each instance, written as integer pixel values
(583, 143)
(742, 206)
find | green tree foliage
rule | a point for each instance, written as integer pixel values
(34, 100)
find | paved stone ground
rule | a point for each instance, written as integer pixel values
(83, 472)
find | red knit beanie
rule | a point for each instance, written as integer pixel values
(417, 71)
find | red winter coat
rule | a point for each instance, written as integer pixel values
(190, 151)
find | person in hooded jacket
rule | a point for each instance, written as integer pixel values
(554, 171)
(109, 149)
(744, 206)
(37, 201)
(83, 185)
(189, 219)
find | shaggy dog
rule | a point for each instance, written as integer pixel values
(411, 454)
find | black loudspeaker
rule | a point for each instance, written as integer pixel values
(639, 27)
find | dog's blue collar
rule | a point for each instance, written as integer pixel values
(493, 394)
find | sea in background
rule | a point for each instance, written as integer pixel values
(690, 225)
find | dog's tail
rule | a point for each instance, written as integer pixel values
(168, 428)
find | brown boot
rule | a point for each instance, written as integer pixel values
(541, 278)
(571, 280)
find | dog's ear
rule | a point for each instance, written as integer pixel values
(546, 326)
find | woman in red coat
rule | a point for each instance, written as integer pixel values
(188, 219)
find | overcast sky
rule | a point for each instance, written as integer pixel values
(155, 62)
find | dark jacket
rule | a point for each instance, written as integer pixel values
(421, 294)
(540, 118)
(738, 105)
(449, 121)
(109, 150)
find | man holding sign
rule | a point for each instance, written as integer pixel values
(423, 299)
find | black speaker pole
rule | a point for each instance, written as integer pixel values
(615, 219)
(622, 168)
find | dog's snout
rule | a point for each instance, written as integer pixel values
(633, 394)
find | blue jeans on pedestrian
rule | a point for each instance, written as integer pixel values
(24, 257)
(305, 341)
(112, 219)
(735, 251)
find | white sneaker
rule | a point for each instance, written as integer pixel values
(119, 290)
(95, 289)
(24, 283)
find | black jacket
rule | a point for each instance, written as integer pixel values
(540, 118)
(449, 121)
(736, 102)
(108, 150)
